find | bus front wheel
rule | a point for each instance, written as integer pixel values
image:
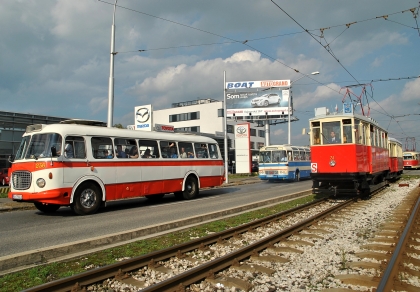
(191, 188)
(87, 199)
(46, 208)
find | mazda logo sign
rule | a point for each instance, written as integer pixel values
(142, 115)
(241, 130)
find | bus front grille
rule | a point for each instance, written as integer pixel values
(21, 180)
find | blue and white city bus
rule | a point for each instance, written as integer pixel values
(284, 162)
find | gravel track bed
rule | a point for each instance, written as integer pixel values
(312, 270)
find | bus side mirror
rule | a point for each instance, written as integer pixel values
(304, 131)
(11, 158)
(53, 151)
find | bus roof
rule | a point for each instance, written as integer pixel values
(80, 129)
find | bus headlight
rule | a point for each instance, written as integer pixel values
(40, 182)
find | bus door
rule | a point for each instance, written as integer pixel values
(75, 164)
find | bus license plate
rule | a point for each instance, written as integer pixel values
(17, 197)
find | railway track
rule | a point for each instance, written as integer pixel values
(121, 269)
(202, 264)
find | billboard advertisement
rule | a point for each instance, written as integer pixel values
(143, 117)
(257, 103)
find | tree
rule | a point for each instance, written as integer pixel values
(119, 126)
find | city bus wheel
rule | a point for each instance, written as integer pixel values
(46, 208)
(87, 199)
(191, 188)
(297, 176)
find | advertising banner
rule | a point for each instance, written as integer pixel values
(257, 84)
(164, 128)
(242, 148)
(258, 103)
(143, 117)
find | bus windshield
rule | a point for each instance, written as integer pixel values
(273, 156)
(40, 145)
(22, 148)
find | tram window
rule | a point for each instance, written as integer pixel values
(213, 151)
(347, 134)
(315, 136)
(153, 151)
(102, 147)
(327, 129)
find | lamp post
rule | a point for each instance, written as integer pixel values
(111, 72)
(289, 109)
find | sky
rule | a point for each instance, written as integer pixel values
(55, 56)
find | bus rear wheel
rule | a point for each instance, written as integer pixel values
(87, 199)
(191, 188)
(46, 208)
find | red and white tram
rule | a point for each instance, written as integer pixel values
(84, 166)
(411, 160)
(349, 154)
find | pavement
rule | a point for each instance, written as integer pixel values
(7, 205)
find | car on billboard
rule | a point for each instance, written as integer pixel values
(266, 100)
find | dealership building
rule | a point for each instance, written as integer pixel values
(205, 116)
(13, 126)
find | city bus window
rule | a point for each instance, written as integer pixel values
(74, 147)
(331, 133)
(265, 156)
(185, 150)
(148, 149)
(102, 147)
(347, 133)
(168, 149)
(213, 151)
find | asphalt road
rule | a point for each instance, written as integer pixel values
(24, 231)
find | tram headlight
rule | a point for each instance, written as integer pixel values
(40, 182)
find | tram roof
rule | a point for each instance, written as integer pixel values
(340, 116)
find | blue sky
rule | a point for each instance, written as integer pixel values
(55, 56)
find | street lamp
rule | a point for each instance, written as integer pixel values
(290, 97)
(111, 72)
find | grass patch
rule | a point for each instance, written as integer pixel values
(46, 273)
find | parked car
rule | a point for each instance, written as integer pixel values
(266, 100)
(4, 176)
(254, 166)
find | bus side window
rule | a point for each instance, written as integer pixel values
(101, 147)
(168, 149)
(77, 148)
(148, 149)
(213, 151)
(186, 150)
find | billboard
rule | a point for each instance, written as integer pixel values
(143, 117)
(260, 103)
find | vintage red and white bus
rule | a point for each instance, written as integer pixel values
(411, 160)
(85, 166)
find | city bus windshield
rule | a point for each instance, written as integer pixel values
(40, 146)
(273, 156)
